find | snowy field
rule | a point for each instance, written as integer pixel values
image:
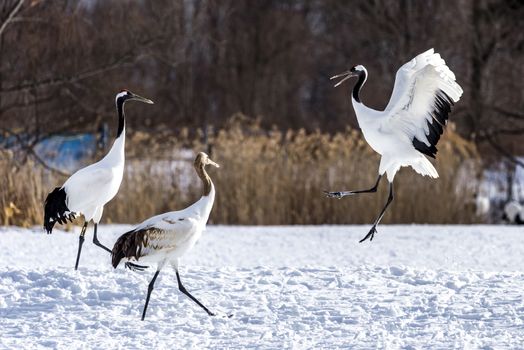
(413, 287)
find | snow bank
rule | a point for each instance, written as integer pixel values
(288, 287)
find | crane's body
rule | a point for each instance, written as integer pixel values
(165, 238)
(90, 188)
(410, 126)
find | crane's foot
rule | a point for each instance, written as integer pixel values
(220, 314)
(336, 195)
(370, 234)
(135, 267)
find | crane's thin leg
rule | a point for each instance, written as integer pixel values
(342, 194)
(96, 242)
(184, 290)
(373, 230)
(149, 290)
(80, 243)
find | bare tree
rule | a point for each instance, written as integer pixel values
(203, 61)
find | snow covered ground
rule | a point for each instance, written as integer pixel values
(413, 287)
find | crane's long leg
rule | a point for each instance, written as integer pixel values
(342, 194)
(184, 290)
(80, 243)
(149, 290)
(97, 242)
(373, 230)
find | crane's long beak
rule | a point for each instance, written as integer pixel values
(141, 99)
(210, 162)
(346, 75)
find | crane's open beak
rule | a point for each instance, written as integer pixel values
(210, 162)
(141, 99)
(346, 75)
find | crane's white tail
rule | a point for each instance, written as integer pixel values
(424, 167)
(55, 209)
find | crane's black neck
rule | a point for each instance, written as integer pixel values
(362, 76)
(121, 116)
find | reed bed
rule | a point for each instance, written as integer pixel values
(22, 188)
(266, 178)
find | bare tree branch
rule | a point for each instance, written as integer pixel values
(507, 113)
(9, 18)
(496, 146)
(121, 62)
(30, 150)
(31, 20)
(79, 102)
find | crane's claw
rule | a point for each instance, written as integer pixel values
(337, 195)
(135, 267)
(221, 314)
(370, 234)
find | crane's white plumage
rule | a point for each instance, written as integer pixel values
(89, 189)
(411, 124)
(170, 235)
(514, 213)
(166, 237)
(409, 114)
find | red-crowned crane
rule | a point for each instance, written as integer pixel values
(89, 189)
(410, 126)
(167, 237)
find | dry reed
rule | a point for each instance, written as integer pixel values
(21, 191)
(266, 177)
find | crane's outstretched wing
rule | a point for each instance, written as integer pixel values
(424, 91)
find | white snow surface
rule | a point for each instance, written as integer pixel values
(300, 287)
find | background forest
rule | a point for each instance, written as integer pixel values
(248, 81)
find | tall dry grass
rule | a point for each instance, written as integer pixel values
(278, 178)
(21, 191)
(268, 178)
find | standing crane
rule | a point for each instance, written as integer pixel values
(167, 237)
(90, 188)
(410, 126)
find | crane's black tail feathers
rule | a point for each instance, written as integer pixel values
(129, 245)
(118, 249)
(55, 209)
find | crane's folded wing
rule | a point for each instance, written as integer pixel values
(156, 235)
(84, 187)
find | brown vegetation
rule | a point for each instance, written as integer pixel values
(266, 178)
(62, 62)
(22, 189)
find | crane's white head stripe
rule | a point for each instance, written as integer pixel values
(122, 94)
(360, 68)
